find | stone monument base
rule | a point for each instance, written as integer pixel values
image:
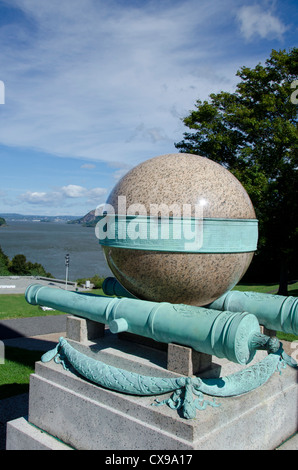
(68, 412)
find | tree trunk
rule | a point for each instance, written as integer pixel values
(283, 280)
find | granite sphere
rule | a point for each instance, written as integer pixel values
(176, 180)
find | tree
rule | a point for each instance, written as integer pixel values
(19, 265)
(4, 262)
(36, 269)
(253, 133)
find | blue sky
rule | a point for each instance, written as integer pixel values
(94, 87)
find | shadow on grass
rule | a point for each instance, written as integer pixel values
(294, 292)
(10, 390)
(17, 367)
(22, 356)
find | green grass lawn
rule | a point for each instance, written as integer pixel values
(267, 288)
(16, 370)
(20, 363)
(16, 306)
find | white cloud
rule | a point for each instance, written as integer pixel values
(85, 75)
(255, 21)
(34, 197)
(73, 190)
(55, 198)
(88, 166)
(96, 193)
(120, 173)
(154, 134)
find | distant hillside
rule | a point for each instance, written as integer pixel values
(36, 218)
(89, 220)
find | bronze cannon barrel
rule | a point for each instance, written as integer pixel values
(275, 312)
(219, 333)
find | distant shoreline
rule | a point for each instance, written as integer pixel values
(48, 243)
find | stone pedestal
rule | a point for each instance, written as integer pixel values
(66, 411)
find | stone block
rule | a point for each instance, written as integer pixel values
(59, 400)
(186, 361)
(81, 330)
(21, 435)
(86, 416)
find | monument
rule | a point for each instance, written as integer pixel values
(170, 357)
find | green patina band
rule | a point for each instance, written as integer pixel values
(175, 234)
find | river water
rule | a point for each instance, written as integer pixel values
(47, 243)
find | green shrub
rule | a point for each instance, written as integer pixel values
(19, 265)
(4, 263)
(96, 280)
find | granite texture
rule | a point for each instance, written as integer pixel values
(184, 179)
(21, 435)
(174, 180)
(88, 417)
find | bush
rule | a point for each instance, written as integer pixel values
(96, 280)
(19, 265)
(4, 263)
(36, 269)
